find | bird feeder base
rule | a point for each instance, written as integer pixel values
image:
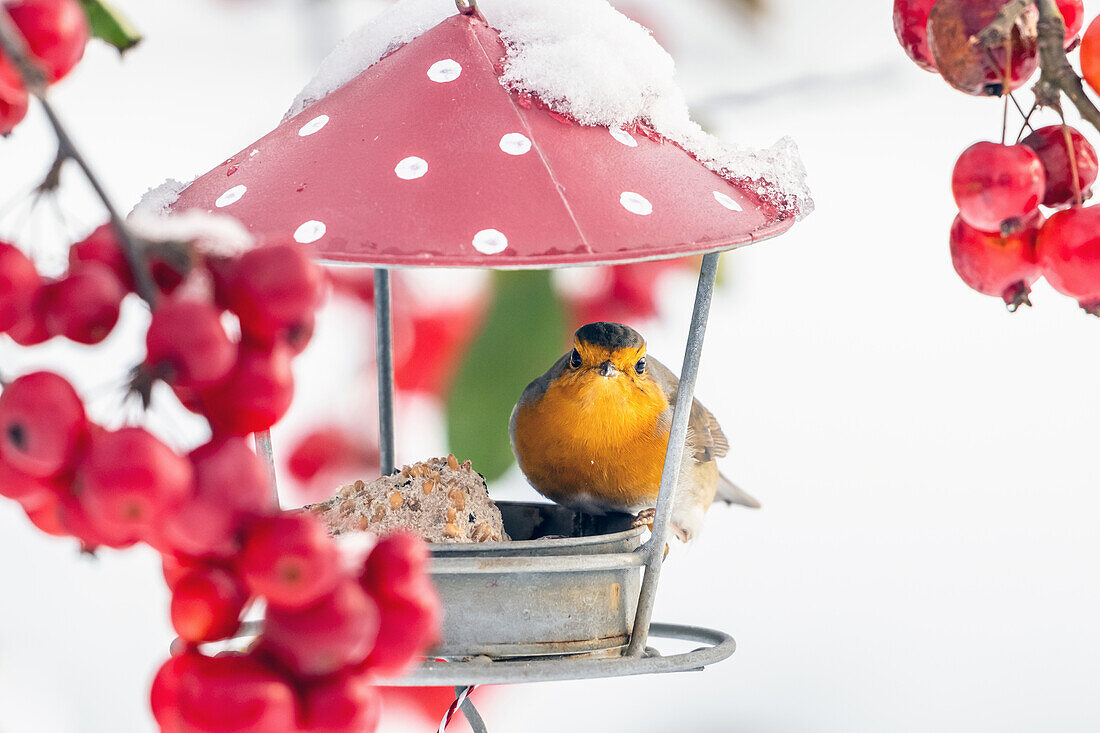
(567, 583)
(716, 646)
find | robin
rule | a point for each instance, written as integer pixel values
(591, 433)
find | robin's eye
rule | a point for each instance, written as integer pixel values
(575, 359)
(640, 366)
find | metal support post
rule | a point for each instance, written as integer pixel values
(383, 354)
(674, 454)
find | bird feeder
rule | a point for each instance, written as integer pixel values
(426, 160)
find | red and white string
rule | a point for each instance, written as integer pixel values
(455, 705)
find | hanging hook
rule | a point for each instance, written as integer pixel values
(469, 7)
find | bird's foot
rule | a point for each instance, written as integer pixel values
(645, 519)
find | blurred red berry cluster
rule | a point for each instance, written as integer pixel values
(1002, 241)
(328, 632)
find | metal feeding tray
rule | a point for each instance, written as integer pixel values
(567, 583)
(557, 602)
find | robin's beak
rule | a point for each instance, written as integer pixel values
(607, 369)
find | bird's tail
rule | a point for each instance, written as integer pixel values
(731, 494)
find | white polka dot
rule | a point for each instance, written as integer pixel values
(623, 136)
(515, 144)
(727, 201)
(231, 196)
(309, 232)
(636, 203)
(313, 126)
(490, 242)
(411, 167)
(444, 71)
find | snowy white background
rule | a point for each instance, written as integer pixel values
(926, 555)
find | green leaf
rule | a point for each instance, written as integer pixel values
(522, 338)
(109, 25)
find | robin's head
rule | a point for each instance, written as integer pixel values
(608, 350)
(605, 377)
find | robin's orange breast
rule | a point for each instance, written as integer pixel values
(595, 441)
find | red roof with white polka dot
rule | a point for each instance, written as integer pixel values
(424, 159)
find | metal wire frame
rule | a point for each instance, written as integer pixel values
(670, 475)
(716, 646)
(383, 355)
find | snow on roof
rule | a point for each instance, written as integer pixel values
(215, 234)
(584, 59)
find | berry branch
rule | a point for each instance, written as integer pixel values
(996, 33)
(1057, 76)
(15, 47)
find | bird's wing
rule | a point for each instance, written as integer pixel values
(707, 437)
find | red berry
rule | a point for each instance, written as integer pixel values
(164, 695)
(84, 306)
(14, 100)
(345, 703)
(231, 488)
(996, 186)
(189, 398)
(130, 482)
(87, 528)
(296, 338)
(624, 293)
(166, 275)
(408, 628)
(60, 515)
(1050, 144)
(30, 329)
(395, 567)
(1069, 253)
(355, 282)
(1090, 54)
(101, 247)
(18, 283)
(439, 341)
(911, 28)
(187, 345)
(290, 560)
(43, 429)
(176, 568)
(56, 32)
(335, 632)
(274, 290)
(231, 693)
(207, 604)
(329, 450)
(46, 516)
(255, 393)
(30, 492)
(221, 271)
(995, 264)
(968, 66)
(1073, 14)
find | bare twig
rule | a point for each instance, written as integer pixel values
(15, 47)
(1025, 115)
(996, 33)
(1057, 77)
